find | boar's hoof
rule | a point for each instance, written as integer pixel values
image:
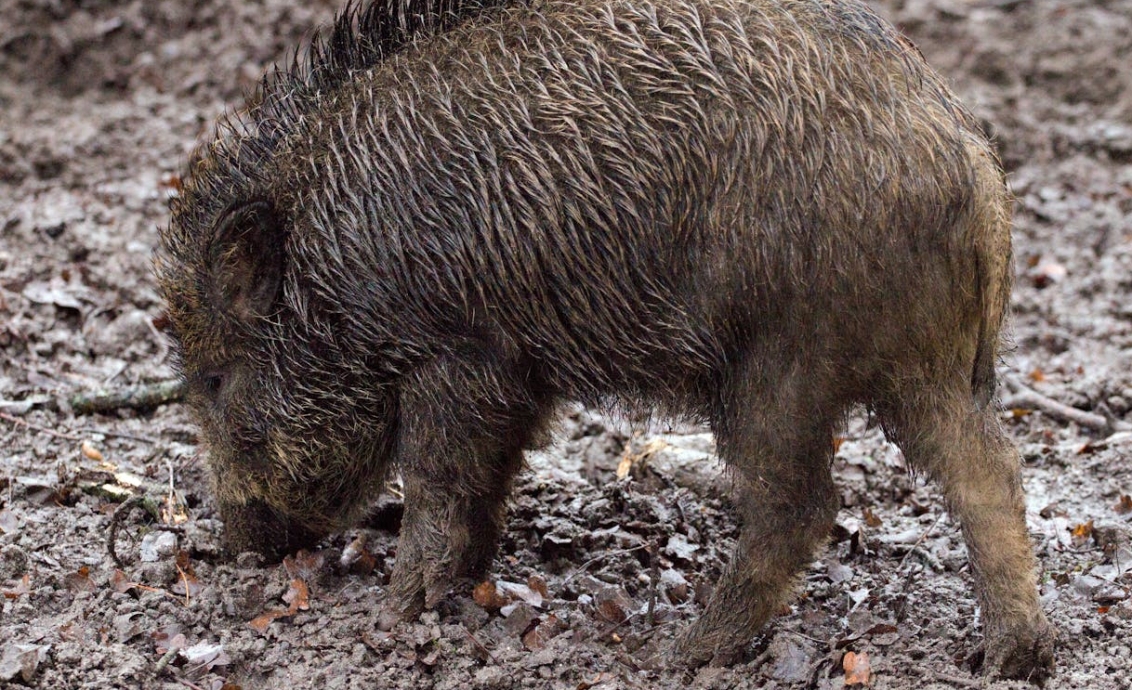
(693, 650)
(1022, 655)
(255, 526)
(396, 609)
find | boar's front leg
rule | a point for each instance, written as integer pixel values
(463, 425)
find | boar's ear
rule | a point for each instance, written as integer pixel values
(245, 260)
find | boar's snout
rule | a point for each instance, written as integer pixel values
(256, 526)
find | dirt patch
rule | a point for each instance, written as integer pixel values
(100, 102)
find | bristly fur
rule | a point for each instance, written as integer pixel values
(413, 246)
(360, 37)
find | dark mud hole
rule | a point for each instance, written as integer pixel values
(99, 103)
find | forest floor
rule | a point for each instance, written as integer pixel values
(100, 102)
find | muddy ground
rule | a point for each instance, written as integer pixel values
(99, 103)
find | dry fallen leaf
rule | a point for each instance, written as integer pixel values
(263, 621)
(613, 605)
(538, 584)
(169, 638)
(91, 452)
(596, 680)
(304, 565)
(120, 582)
(8, 522)
(1081, 533)
(188, 585)
(79, 581)
(629, 458)
(857, 668)
(297, 598)
(486, 595)
(23, 587)
(1124, 505)
(537, 637)
(1047, 273)
(871, 518)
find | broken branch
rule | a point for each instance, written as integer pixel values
(134, 397)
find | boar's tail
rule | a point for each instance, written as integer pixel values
(994, 265)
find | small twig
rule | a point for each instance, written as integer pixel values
(1025, 397)
(116, 520)
(187, 683)
(654, 580)
(164, 661)
(134, 397)
(118, 434)
(582, 568)
(72, 437)
(1004, 5)
(908, 578)
(35, 427)
(617, 626)
(480, 645)
(957, 680)
(806, 637)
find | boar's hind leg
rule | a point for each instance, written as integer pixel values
(959, 442)
(462, 431)
(776, 437)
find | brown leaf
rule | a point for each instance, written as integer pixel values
(169, 638)
(120, 582)
(263, 621)
(488, 597)
(91, 452)
(298, 596)
(1081, 533)
(357, 558)
(1047, 273)
(304, 565)
(612, 604)
(596, 680)
(857, 668)
(23, 587)
(1037, 375)
(170, 183)
(538, 584)
(79, 581)
(871, 518)
(537, 637)
(837, 441)
(1124, 505)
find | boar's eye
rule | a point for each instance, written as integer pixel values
(212, 383)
